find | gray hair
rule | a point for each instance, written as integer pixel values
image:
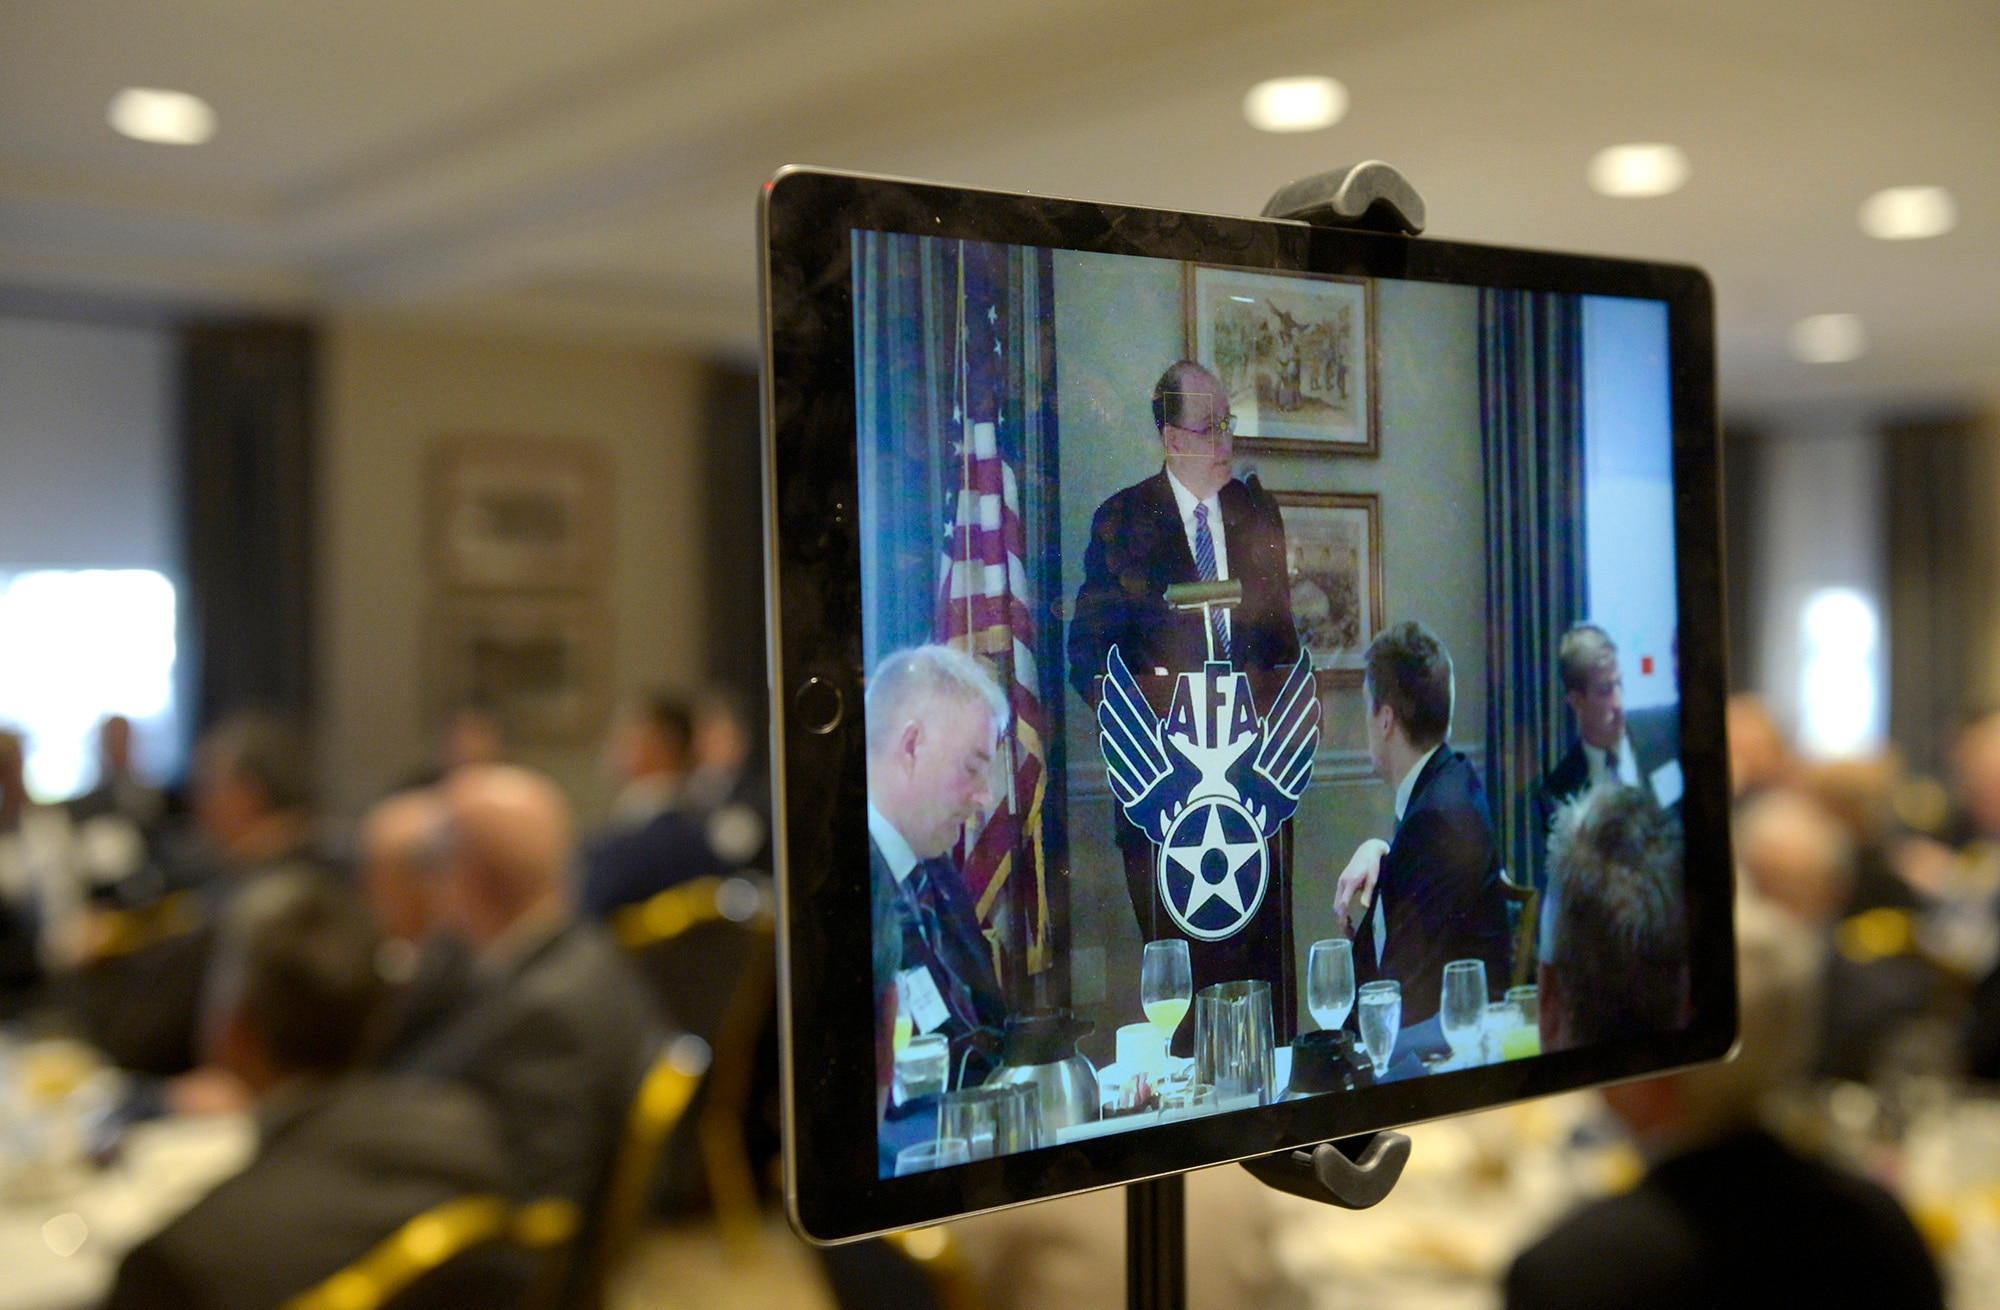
(903, 679)
(1614, 924)
(1584, 650)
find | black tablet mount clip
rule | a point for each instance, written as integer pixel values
(1356, 1172)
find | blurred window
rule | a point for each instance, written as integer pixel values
(77, 645)
(1840, 676)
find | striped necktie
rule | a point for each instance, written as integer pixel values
(1204, 564)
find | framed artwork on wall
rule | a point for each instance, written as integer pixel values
(1296, 353)
(540, 664)
(1333, 557)
(515, 512)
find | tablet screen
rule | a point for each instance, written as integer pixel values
(1271, 685)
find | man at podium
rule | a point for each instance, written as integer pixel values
(1194, 521)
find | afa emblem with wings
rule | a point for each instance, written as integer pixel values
(1209, 784)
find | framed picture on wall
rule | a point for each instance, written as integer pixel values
(1333, 556)
(1297, 354)
(541, 664)
(519, 512)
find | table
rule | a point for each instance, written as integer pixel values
(64, 1252)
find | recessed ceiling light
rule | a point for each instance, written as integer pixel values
(1645, 169)
(1909, 213)
(1829, 338)
(1295, 104)
(168, 118)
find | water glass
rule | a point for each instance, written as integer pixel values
(1381, 1010)
(970, 1116)
(1166, 984)
(922, 1067)
(1233, 1050)
(1462, 1007)
(1500, 1018)
(924, 1156)
(1330, 981)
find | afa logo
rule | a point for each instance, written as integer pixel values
(1210, 784)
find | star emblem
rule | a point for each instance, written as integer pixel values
(1224, 855)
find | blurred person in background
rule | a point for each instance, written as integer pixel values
(729, 787)
(119, 789)
(1758, 754)
(253, 808)
(653, 842)
(24, 851)
(428, 970)
(1727, 1214)
(554, 1031)
(1614, 949)
(343, 1160)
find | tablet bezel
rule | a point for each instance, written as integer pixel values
(813, 576)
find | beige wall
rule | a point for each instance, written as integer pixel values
(388, 390)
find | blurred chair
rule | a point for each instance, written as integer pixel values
(1523, 911)
(444, 1256)
(707, 947)
(663, 1098)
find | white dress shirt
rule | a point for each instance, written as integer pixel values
(1185, 499)
(896, 851)
(1600, 766)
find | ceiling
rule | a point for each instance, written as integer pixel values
(592, 168)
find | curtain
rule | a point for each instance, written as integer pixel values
(247, 487)
(955, 387)
(1531, 428)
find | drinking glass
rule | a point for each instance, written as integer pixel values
(1330, 981)
(1501, 1018)
(971, 1116)
(1195, 1098)
(1526, 1039)
(940, 1154)
(1381, 1010)
(1166, 984)
(1233, 1050)
(922, 1067)
(1462, 1007)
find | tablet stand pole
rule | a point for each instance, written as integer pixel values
(1359, 1171)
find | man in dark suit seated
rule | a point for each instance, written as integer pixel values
(1432, 894)
(429, 970)
(654, 841)
(934, 718)
(343, 1161)
(1193, 521)
(1727, 1215)
(554, 1030)
(254, 810)
(1638, 749)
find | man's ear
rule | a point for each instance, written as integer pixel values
(1574, 699)
(908, 740)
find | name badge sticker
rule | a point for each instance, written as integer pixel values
(918, 993)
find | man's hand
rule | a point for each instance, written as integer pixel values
(1356, 889)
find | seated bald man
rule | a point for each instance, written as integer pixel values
(429, 969)
(554, 1030)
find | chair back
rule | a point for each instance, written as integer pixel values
(427, 1248)
(1524, 905)
(662, 1099)
(708, 948)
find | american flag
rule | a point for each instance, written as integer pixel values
(985, 608)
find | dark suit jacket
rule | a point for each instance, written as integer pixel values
(1440, 883)
(1741, 1223)
(556, 1045)
(338, 1171)
(1138, 548)
(956, 955)
(631, 866)
(1655, 735)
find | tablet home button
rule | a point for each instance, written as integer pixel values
(818, 705)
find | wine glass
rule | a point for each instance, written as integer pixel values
(1381, 1011)
(1330, 981)
(1166, 984)
(1462, 1009)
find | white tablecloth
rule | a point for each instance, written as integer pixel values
(166, 1166)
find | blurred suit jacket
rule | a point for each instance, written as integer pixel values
(1440, 887)
(556, 1041)
(631, 866)
(340, 1167)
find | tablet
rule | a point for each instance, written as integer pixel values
(1239, 684)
